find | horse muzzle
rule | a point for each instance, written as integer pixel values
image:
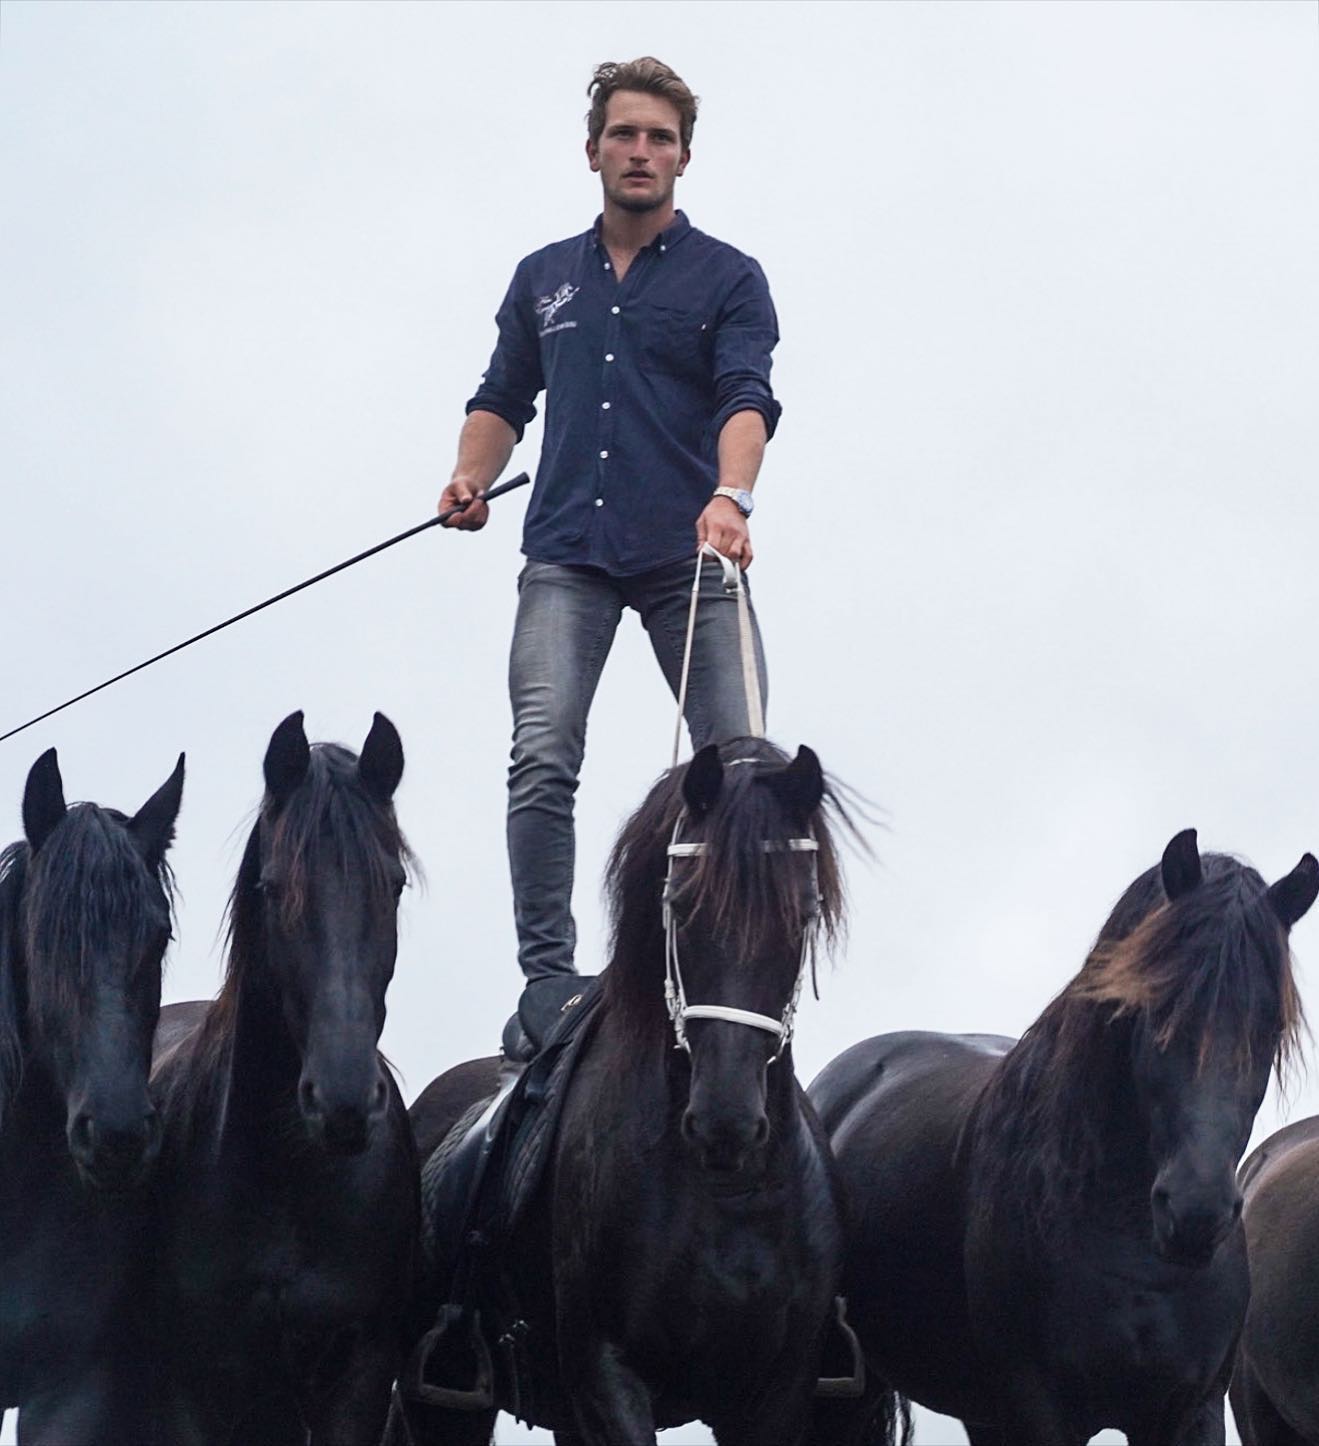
(114, 1157)
(1188, 1232)
(343, 1125)
(724, 1146)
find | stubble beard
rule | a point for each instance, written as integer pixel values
(639, 205)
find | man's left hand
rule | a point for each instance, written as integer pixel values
(725, 529)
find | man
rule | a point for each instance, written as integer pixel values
(652, 341)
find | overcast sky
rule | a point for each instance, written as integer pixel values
(1035, 541)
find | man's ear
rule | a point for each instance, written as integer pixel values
(682, 164)
(593, 154)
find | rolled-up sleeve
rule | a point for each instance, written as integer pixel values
(746, 332)
(513, 380)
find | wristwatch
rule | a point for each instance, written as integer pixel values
(738, 495)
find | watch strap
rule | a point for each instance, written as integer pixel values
(736, 495)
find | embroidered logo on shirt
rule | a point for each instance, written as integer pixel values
(548, 307)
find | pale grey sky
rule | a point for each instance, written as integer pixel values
(1034, 543)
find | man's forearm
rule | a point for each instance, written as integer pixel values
(741, 450)
(484, 447)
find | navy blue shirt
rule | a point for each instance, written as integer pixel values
(640, 377)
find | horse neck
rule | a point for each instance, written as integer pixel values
(1105, 1161)
(260, 1061)
(35, 1117)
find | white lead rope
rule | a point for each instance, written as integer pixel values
(750, 673)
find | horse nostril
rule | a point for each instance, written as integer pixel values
(688, 1127)
(1236, 1209)
(379, 1097)
(308, 1098)
(82, 1134)
(761, 1132)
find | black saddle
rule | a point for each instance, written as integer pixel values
(476, 1185)
(539, 1012)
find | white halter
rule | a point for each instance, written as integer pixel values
(675, 995)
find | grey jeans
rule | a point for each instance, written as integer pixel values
(566, 620)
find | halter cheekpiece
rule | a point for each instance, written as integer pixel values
(675, 995)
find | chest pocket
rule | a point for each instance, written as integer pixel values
(676, 341)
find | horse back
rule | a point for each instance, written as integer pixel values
(1280, 1340)
(177, 1022)
(895, 1108)
(447, 1098)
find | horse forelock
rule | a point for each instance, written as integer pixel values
(751, 897)
(1213, 966)
(1212, 969)
(88, 885)
(331, 820)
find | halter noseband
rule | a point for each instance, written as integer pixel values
(675, 996)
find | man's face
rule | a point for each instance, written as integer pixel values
(639, 154)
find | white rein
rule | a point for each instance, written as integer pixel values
(675, 995)
(746, 646)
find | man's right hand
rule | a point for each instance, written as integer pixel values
(475, 515)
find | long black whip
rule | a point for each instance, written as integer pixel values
(519, 481)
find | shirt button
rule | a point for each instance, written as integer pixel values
(609, 356)
(604, 406)
(604, 454)
(599, 501)
(663, 247)
(614, 310)
(608, 267)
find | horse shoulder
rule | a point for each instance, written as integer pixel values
(896, 1107)
(1281, 1335)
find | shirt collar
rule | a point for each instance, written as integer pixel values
(669, 236)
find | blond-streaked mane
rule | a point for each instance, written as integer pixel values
(1211, 969)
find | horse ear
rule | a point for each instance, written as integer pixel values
(153, 824)
(381, 765)
(1181, 865)
(43, 799)
(287, 758)
(799, 785)
(1293, 894)
(703, 780)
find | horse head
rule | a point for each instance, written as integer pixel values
(87, 926)
(1205, 977)
(740, 840)
(325, 867)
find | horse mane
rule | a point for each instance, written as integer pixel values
(13, 871)
(1213, 967)
(748, 895)
(90, 878)
(329, 810)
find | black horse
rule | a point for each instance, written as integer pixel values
(85, 913)
(1275, 1387)
(680, 1260)
(1046, 1234)
(288, 1177)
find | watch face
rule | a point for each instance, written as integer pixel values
(745, 503)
